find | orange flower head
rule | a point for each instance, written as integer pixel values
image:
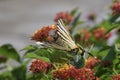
(116, 7)
(69, 71)
(44, 33)
(83, 74)
(116, 77)
(99, 32)
(62, 72)
(92, 62)
(39, 66)
(86, 35)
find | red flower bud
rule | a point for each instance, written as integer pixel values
(66, 16)
(99, 32)
(116, 7)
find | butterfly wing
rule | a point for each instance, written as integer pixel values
(65, 36)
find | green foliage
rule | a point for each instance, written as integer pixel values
(9, 51)
(6, 76)
(49, 55)
(74, 11)
(19, 73)
(33, 55)
(78, 61)
(75, 22)
(108, 26)
(114, 18)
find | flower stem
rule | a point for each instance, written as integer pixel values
(115, 70)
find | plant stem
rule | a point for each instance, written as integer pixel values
(114, 70)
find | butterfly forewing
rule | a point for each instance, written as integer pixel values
(65, 36)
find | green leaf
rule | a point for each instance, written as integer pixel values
(106, 76)
(117, 46)
(116, 62)
(112, 26)
(6, 76)
(38, 76)
(108, 26)
(114, 18)
(104, 48)
(19, 73)
(73, 12)
(9, 51)
(111, 54)
(118, 40)
(33, 55)
(59, 56)
(75, 22)
(51, 55)
(30, 47)
(78, 61)
(103, 53)
(3, 59)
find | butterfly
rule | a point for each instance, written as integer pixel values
(56, 36)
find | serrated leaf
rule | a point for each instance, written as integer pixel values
(33, 55)
(9, 51)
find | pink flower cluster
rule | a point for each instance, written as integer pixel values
(116, 77)
(43, 34)
(99, 33)
(92, 62)
(39, 66)
(66, 16)
(69, 71)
